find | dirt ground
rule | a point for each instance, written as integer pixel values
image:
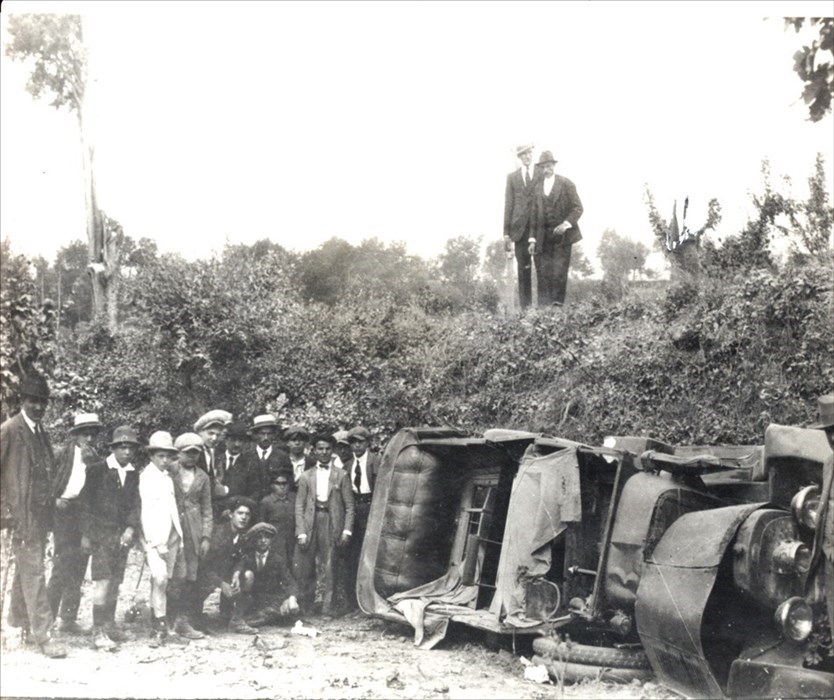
(354, 656)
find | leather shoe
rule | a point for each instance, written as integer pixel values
(116, 634)
(71, 627)
(184, 628)
(53, 650)
(102, 641)
(240, 626)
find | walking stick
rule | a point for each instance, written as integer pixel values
(133, 612)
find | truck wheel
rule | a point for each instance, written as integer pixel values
(604, 657)
(574, 673)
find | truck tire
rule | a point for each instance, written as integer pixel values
(604, 657)
(575, 673)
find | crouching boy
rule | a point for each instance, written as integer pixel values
(266, 575)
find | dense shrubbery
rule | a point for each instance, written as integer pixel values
(318, 339)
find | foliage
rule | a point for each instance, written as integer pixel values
(620, 258)
(814, 68)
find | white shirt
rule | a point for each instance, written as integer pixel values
(32, 425)
(299, 466)
(112, 463)
(231, 459)
(260, 560)
(264, 454)
(364, 485)
(322, 483)
(548, 184)
(78, 475)
(527, 173)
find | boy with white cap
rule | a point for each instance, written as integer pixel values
(162, 531)
(69, 561)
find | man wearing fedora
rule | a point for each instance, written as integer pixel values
(161, 529)
(556, 212)
(109, 523)
(518, 211)
(69, 561)
(268, 458)
(26, 506)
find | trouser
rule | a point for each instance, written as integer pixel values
(552, 272)
(314, 565)
(69, 563)
(354, 549)
(525, 272)
(229, 607)
(163, 568)
(30, 604)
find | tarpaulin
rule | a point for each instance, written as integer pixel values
(546, 496)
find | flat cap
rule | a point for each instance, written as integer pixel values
(360, 432)
(341, 436)
(296, 432)
(189, 441)
(215, 417)
(260, 529)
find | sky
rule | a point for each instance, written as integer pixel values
(220, 122)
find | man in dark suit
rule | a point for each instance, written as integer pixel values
(518, 206)
(211, 427)
(266, 455)
(323, 521)
(242, 473)
(109, 522)
(362, 474)
(69, 562)
(267, 578)
(556, 213)
(26, 505)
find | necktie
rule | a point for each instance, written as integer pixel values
(357, 477)
(260, 562)
(231, 461)
(527, 176)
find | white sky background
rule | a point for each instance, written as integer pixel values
(232, 122)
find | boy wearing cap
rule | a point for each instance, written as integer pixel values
(69, 561)
(298, 440)
(26, 507)
(193, 493)
(266, 577)
(341, 446)
(109, 520)
(218, 568)
(362, 474)
(266, 455)
(278, 509)
(211, 427)
(323, 521)
(161, 528)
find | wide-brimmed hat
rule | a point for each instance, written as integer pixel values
(266, 420)
(523, 148)
(34, 385)
(189, 441)
(341, 436)
(360, 432)
(260, 529)
(124, 434)
(237, 430)
(215, 417)
(161, 441)
(546, 157)
(85, 421)
(296, 431)
(825, 411)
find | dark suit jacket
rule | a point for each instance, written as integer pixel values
(247, 477)
(518, 205)
(562, 204)
(278, 460)
(273, 583)
(340, 502)
(223, 556)
(27, 467)
(108, 507)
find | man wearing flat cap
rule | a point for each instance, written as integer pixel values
(109, 523)
(298, 439)
(69, 561)
(26, 506)
(518, 218)
(556, 212)
(267, 578)
(211, 427)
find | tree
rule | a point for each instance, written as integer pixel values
(580, 265)
(54, 46)
(814, 68)
(620, 257)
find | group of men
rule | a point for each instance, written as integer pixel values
(273, 519)
(541, 223)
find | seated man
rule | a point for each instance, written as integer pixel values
(267, 577)
(217, 569)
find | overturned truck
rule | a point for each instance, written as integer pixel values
(701, 564)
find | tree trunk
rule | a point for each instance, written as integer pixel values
(95, 226)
